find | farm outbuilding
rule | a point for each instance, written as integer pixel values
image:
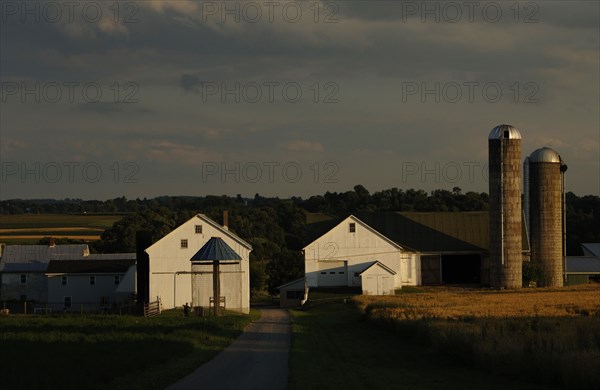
(377, 279)
(293, 294)
(217, 276)
(166, 273)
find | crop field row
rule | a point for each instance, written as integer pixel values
(52, 221)
(544, 336)
(455, 304)
(30, 228)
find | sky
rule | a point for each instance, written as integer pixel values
(148, 98)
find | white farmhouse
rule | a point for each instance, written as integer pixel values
(91, 284)
(23, 267)
(169, 274)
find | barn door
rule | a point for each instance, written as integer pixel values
(384, 285)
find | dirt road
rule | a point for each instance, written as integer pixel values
(257, 360)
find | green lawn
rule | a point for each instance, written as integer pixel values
(110, 352)
(334, 348)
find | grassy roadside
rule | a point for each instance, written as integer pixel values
(110, 352)
(333, 347)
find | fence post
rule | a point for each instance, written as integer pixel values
(25, 307)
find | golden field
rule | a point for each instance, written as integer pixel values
(456, 303)
(545, 336)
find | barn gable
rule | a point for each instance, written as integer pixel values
(337, 257)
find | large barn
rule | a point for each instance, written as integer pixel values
(167, 272)
(402, 248)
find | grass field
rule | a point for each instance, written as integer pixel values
(109, 352)
(29, 228)
(334, 347)
(550, 336)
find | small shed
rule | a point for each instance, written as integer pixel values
(377, 279)
(294, 293)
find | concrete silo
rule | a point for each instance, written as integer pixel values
(545, 204)
(506, 255)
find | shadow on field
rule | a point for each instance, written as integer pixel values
(76, 364)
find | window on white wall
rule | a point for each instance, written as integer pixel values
(352, 227)
(198, 229)
(63, 280)
(184, 244)
(117, 279)
(23, 278)
(92, 280)
(68, 302)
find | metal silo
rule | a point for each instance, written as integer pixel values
(506, 256)
(545, 197)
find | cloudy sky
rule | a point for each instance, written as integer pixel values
(148, 98)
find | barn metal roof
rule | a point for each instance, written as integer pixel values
(215, 249)
(545, 155)
(35, 258)
(96, 256)
(433, 232)
(89, 266)
(592, 249)
(23, 267)
(300, 282)
(380, 264)
(40, 253)
(500, 132)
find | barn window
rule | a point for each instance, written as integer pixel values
(323, 273)
(332, 272)
(117, 279)
(63, 280)
(341, 272)
(92, 280)
(198, 229)
(352, 227)
(23, 278)
(184, 244)
(67, 301)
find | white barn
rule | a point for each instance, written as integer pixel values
(338, 257)
(170, 268)
(376, 250)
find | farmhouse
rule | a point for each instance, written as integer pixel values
(91, 284)
(164, 269)
(23, 268)
(397, 249)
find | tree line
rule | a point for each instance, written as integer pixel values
(277, 228)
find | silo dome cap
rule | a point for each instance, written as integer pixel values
(504, 132)
(545, 155)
